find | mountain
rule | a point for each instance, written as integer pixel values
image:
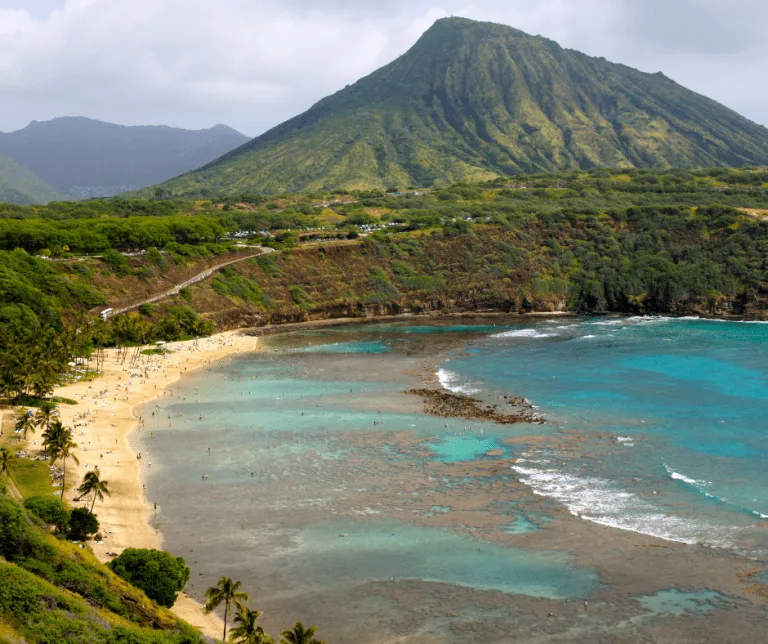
(87, 158)
(473, 100)
(18, 185)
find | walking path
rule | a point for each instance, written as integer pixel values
(193, 280)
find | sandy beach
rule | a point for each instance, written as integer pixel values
(102, 423)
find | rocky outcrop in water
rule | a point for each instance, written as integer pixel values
(449, 405)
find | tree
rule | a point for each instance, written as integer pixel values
(248, 631)
(159, 574)
(25, 423)
(45, 415)
(228, 592)
(58, 445)
(92, 484)
(300, 635)
(51, 511)
(82, 522)
(5, 461)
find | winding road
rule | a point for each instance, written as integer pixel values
(263, 250)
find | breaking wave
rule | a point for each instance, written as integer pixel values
(601, 501)
(450, 381)
(524, 333)
(699, 485)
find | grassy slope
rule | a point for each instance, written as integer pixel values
(19, 185)
(474, 100)
(53, 592)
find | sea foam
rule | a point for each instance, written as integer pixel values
(524, 333)
(685, 479)
(600, 501)
(450, 381)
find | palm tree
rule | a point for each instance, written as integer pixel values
(52, 435)
(300, 635)
(93, 484)
(58, 445)
(25, 423)
(5, 461)
(248, 631)
(44, 416)
(226, 591)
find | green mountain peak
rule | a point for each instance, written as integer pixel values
(473, 100)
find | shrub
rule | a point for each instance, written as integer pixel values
(18, 539)
(147, 310)
(300, 297)
(82, 523)
(159, 574)
(268, 265)
(156, 257)
(116, 260)
(50, 510)
(145, 273)
(230, 284)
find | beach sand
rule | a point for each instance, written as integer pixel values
(102, 422)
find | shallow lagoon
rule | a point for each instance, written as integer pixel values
(315, 439)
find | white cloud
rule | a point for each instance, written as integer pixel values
(254, 63)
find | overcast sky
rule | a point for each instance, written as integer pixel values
(254, 63)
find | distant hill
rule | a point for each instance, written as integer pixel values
(473, 100)
(87, 158)
(20, 186)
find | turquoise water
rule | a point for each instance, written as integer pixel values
(398, 551)
(456, 449)
(684, 404)
(675, 601)
(307, 472)
(347, 347)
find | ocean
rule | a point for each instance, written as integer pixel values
(309, 473)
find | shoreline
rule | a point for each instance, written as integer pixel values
(533, 316)
(288, 327)
(114, 400)
(283, 508)
(105, 423)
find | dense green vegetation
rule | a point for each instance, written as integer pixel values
(159, 574)
(632, 241)
(471, 101)
(54, 592)
(710, 260)
(50, 511)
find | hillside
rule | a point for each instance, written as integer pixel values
(636, 241)
(470, 101)
(20, 186)
(86, 158)
(52, 591)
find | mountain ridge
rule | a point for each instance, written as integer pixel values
(20, 186)
(473, 100)
(84, 157)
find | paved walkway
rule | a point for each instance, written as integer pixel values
(192, 280)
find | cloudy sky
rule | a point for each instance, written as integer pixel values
(254, 63)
